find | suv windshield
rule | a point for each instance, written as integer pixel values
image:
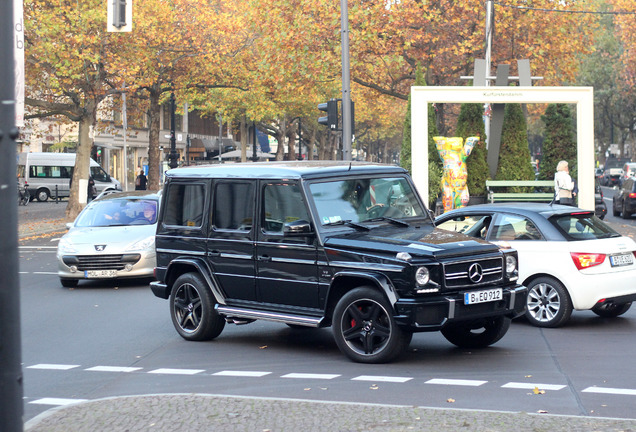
(582, 226)
(361, 200)
(118, 212)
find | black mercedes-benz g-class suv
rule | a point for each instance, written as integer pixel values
(347, 245)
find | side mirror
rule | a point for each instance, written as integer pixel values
(300, 227)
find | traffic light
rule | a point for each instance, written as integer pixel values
(119, 13)
(99, 152)
(331, 119)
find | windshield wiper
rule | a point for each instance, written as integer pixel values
(390, 219)
(348, 222)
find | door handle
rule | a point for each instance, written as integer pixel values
(264, 258)
(214, 253)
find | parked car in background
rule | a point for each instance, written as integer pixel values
(598, 173)
(629, 171)
(113, 237)
(568, 258)
(624, 200)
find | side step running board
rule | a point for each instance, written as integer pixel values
(236, 312)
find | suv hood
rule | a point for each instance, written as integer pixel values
(417, 241)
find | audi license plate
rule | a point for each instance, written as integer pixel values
(100, 273)
(483, 296)
(621, 260)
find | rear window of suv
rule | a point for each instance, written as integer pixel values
(582, 226)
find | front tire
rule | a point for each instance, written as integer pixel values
(42, 195)
(478, 334)
(364, 328)
(624, 213)
(549, 304)
(192, 309)
(611, 310)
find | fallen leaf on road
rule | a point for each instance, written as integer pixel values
(450, 400)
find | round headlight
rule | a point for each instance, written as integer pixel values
(422, 276)
(511, 264)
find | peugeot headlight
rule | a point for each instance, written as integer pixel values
(422, 276)
(65, 247)
(147, 243)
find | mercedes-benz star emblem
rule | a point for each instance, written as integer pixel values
(475, 273)
(100, 248)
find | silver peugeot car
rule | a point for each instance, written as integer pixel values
(113, 237)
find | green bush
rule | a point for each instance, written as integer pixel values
(514, 154)
(559, 143)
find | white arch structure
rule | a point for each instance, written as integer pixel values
(583, 97)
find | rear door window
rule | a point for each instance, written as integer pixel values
(582, 226)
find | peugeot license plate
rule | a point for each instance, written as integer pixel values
(100, 273)
(474, 297)
(621, 260)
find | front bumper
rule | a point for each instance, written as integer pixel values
(434, 313)
(85, 267)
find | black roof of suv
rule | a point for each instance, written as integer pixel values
(315, 244)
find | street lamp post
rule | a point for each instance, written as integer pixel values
(173, 156)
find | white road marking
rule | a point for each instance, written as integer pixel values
(311, 376)
(52, 366)
(113, 369)
(241, 373)
(176, 371)
(530, 386)
(381, 378)
(457, 382)
(607, 390)
(56, 401)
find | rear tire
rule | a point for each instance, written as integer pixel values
(624, 213)
(364, 328)
(611, 310)
(615, 212)
(478, 334)
(192, 309)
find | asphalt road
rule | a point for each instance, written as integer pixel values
(113, 339)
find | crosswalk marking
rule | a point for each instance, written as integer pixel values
(457, 382)
(530, 386)
(113, 369)
(607, 390)
(241, 373)
(52, 366)
(311, 376)
(176, 371)
(381, 378)
(56, 401)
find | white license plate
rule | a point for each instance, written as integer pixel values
(621, 260)
(100, 273)
(483, 296)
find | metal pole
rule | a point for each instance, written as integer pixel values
(11, 390)
(300, 142)
(346, 82)
(125, 126)
(220, 136)
(172, 163)
(489, 30)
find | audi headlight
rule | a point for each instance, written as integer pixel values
(147, 243)
(422, 276)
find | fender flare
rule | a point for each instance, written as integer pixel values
(203, 269)
(378, 279)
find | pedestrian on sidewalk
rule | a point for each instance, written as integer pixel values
(141, 181)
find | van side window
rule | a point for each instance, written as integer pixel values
(184, 205)
(233, 206)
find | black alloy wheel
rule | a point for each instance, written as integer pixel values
(364, 328)
(192, 309)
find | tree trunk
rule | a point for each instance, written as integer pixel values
(154, 154)
(79, 183)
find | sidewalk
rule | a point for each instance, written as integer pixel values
(189, 412)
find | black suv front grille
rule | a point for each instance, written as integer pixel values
(484, 271)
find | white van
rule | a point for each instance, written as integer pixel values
(48, 174)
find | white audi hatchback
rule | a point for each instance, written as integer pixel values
(568, 258)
